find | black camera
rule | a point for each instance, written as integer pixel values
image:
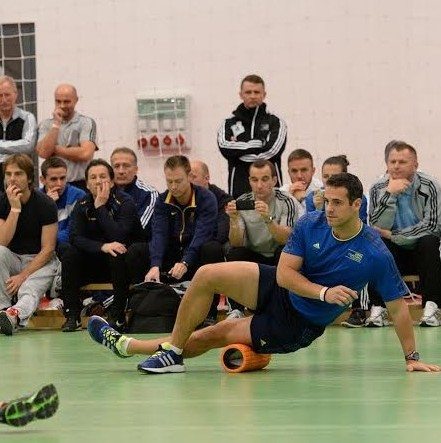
(244, 205)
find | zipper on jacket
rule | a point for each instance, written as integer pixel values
(254, 121)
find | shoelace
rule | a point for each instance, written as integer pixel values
(110, 337)
(160, 352)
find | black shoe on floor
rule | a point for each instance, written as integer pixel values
(72, 324)
(356, 319)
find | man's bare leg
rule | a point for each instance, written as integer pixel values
(240, 280)
(222, 334)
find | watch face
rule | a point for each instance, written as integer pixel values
(415, 356)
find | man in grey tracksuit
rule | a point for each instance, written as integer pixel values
(405, 207)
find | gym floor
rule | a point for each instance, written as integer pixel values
(349, 386)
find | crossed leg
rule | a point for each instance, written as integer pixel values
(240, 280)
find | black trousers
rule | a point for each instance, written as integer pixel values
(424, 261)
(80, 268)
(138, 261)
(245, 254)
(212, 252)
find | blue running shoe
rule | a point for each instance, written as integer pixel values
(162, 361)
(104, 334)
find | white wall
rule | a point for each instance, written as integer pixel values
(346, 75)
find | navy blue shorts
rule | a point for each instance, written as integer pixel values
(276, 327)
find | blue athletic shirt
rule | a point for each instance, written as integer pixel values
(331, 262)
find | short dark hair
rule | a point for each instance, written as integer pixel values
(52, 162)
(252, 78)
(178, 161)
(340, 160)
(300, 154)
(99, 162)
(124, 150)
(399, 146)
(349, 181)
(259, 164)
(24, 162)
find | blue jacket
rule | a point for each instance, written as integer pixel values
(65, 205)
(144, 197)
(223, 221)
(183, 228)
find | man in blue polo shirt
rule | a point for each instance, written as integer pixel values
(328, 259)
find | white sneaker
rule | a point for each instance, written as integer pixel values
(431, 315)
(235, 313)
(378, 317)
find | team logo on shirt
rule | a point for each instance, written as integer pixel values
(354, 255)
(262, 342)
(316, 245)
(264, 127)
(238, 128)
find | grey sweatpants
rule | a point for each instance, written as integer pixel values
(32, 289)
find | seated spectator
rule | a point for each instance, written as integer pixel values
(28, 235)
(315, 202)
(69, 135)
(405, 209)
(200, 176)
(259, 230)
(65, 196)
(104, 224)
(301, 171)
(125, 166)
(183, 221)
(213, 251)
(18, 131)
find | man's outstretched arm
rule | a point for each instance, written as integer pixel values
(402, 320)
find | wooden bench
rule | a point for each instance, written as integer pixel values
(54, 318)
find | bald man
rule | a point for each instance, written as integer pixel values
(69, 135)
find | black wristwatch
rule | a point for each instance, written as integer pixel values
(184, 263)
(414, 355)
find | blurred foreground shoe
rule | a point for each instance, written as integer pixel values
(40, 405)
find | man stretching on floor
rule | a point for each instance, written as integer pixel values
(329, 257)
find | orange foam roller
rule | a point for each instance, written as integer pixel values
(241, 358)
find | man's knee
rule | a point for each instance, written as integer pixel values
(4, 253)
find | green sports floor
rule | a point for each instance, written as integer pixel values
(349, 386)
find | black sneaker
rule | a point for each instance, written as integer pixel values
(356, 319)
(72, 324)
(118, 323)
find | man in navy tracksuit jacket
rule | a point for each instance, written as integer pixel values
(251, 134)
(184, 219)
